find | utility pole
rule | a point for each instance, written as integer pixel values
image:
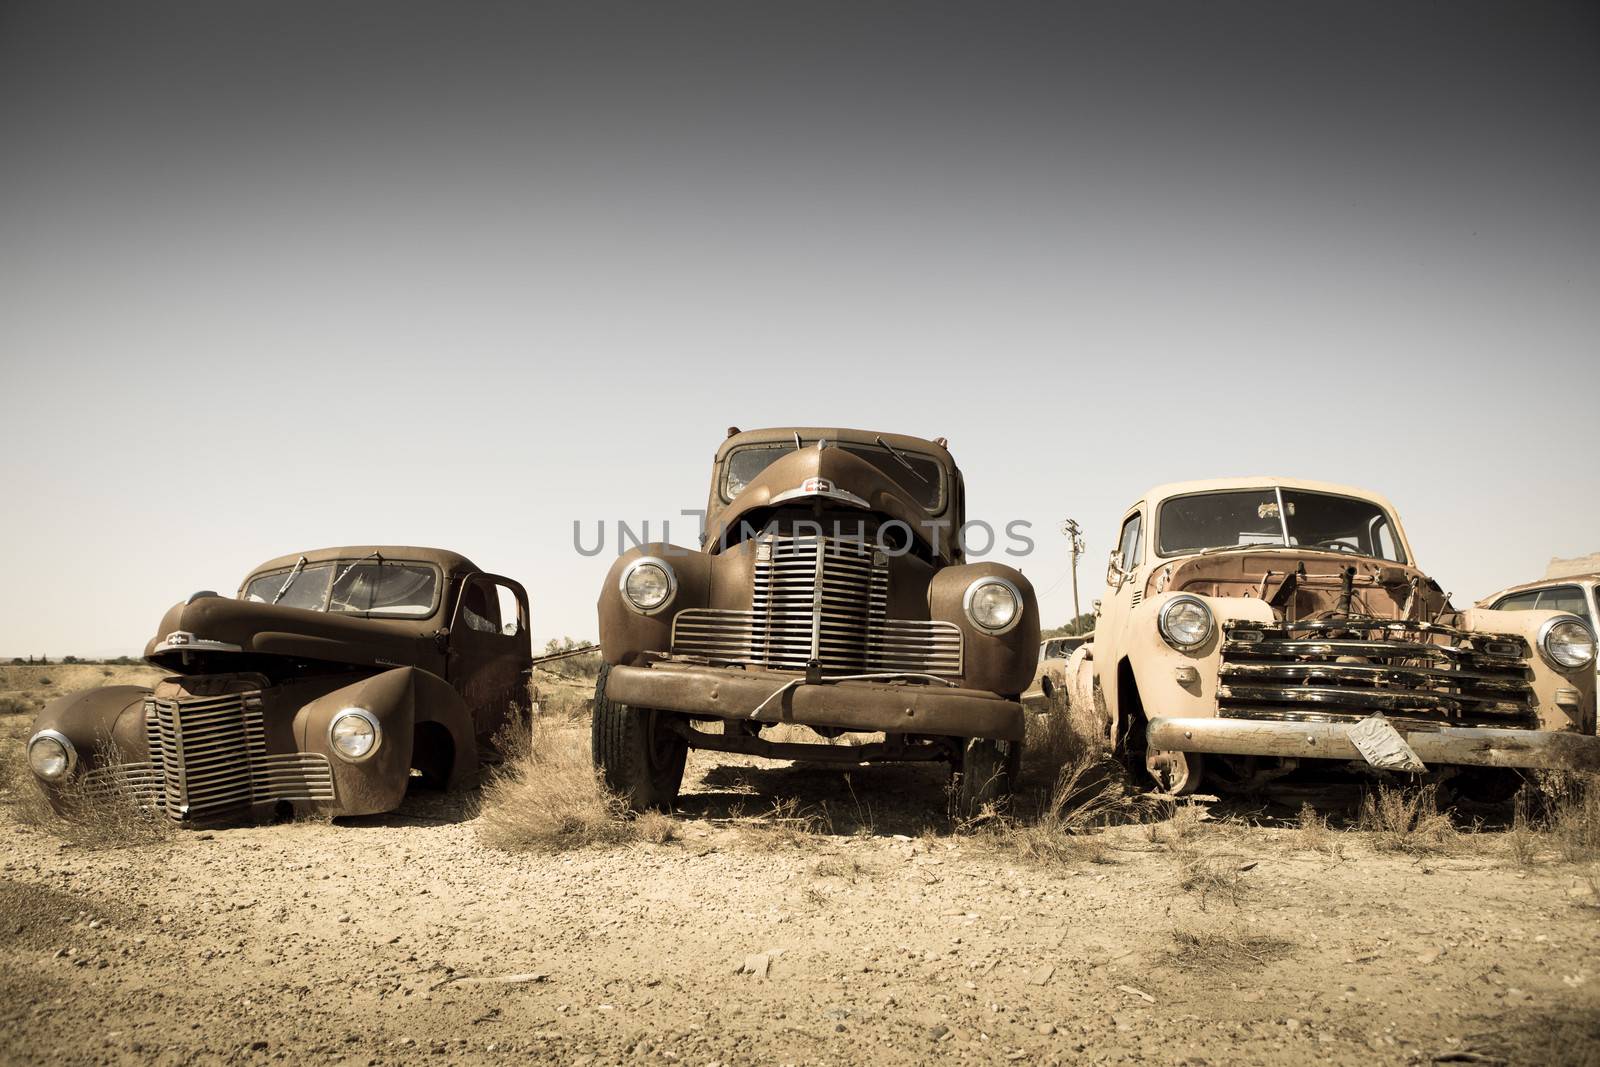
(1074, 535)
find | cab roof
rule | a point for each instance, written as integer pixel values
(444, 559)
(1263, 481)
(1542, 583)
(811, 434)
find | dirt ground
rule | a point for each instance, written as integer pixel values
(857, 929)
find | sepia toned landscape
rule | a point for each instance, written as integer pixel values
(795, 914)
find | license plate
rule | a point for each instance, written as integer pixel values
(1381, 745)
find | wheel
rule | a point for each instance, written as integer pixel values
(987, 776)
(638, 755)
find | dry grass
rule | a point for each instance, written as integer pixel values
(1203, 866)
(547, 797)
(1062, 738)
(1313, 834)
(561, 697)
(1406, 820)
(1225, 948)
(788, 824)
(1085, 797)
(1557, 817)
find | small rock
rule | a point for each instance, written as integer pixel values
(936, 1032)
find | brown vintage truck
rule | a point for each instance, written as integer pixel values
(1251, 624)
(830, 591)
(329, 679)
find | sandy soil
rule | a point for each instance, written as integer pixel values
(402, 939)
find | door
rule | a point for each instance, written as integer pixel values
(1123, 588)
(491, 653)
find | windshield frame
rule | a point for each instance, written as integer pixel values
(339, 565)
(1402, 550)
(891, 470)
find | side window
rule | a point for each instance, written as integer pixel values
(1130, 550)
(1568, 598)
(491, 608)
(1519, 602)
(1383, 539)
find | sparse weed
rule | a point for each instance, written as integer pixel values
(1406, 820)
(1225, 949)
(846, 868)
(787, 825)
(547, 797)
(1314, 835)
(561, 697)
(1558, 812)
(1084, 798)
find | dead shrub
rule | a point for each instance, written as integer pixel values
(547, 797)
(11, 704)
(1059, 739)
(845, 868)
(1085, 797)
(1313, 833)
(1556, 812)
(1202, 868)
(1401, 819)
(788, 824)
(98, 814)
(1225, 949)
(656, 827)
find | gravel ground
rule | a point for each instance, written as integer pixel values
(402, 939)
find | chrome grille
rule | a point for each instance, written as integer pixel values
(823, 599)
(1340, 670)
(209, 755)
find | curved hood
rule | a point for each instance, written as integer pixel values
(219, 625)
(835, 480)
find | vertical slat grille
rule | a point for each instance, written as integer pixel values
(822, 599)
(209, 755)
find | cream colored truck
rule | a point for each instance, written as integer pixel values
(1250, 624)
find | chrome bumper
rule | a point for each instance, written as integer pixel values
(1447, 745)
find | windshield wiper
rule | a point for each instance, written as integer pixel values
(299, 565)
(341, 575)
(1242, 548)
(904, 462)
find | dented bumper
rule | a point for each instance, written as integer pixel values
(1443, 746)
(723, 693)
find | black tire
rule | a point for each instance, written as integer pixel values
(987, 776)
(639, 757)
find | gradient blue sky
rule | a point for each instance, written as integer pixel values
(281, 276)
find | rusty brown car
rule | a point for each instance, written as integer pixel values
(830, 591)
(330, 679)
(1250, 625)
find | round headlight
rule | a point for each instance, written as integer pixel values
(1567, 643)
(648, 584)
(1185, 621)
(354, 735)
(51, 756)
(993, 604)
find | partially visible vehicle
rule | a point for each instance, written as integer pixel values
(831, 592)
(1250, 624)
(1051, 675)
(1570, 586)
(330, 678)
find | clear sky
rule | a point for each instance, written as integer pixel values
(280, 276)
